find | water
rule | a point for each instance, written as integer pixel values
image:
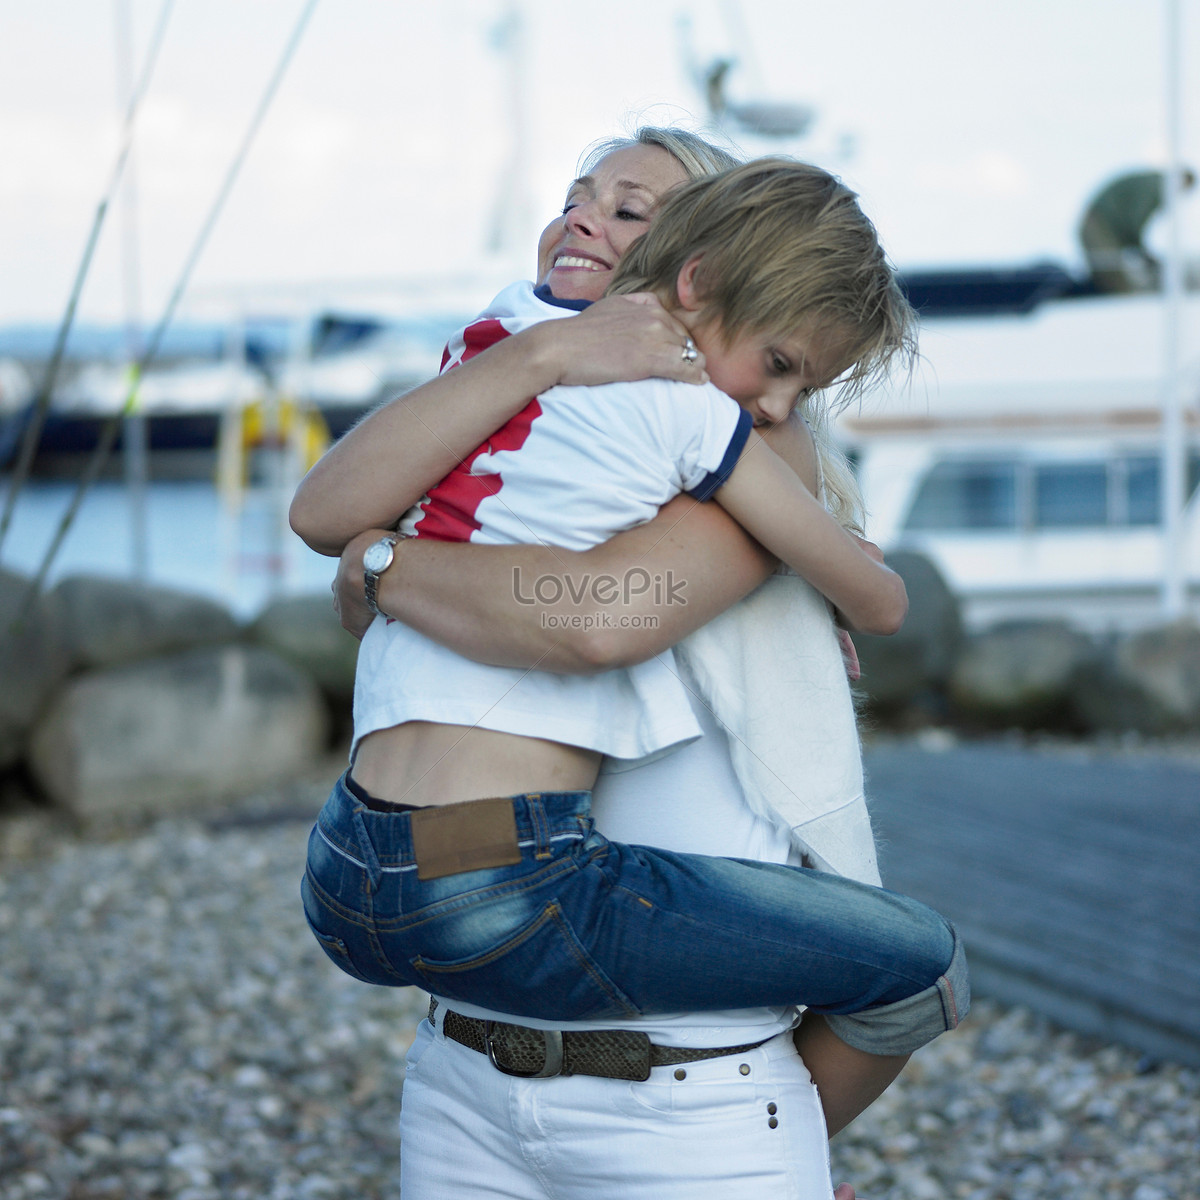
(192, 542)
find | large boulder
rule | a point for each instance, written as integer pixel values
(1020, 674)
(110, 621)
(157, 735)
(305, 630)
(1148, 683)
(912, 666)
(34, 659)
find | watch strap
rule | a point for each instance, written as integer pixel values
(371, 578)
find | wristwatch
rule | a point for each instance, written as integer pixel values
(376, 559)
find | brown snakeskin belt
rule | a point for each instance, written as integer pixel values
(544, 1053)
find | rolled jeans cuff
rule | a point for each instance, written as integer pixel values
(907, 1025)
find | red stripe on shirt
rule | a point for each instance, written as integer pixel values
(476, 339)
(451, 505)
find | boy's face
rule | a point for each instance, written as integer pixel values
(769, 375)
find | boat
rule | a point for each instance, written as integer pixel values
(351, 364)
(1024, 458)
(336, 366)
(16, 394)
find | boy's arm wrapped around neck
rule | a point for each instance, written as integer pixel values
(766, 498)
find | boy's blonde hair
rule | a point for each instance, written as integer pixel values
(784, 246)
(696, 155)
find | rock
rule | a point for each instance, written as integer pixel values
(914, 664)
(1020, 674)
(305, 631)
(34, 659)
(1148, 682)
(111, 621)
(152, 736)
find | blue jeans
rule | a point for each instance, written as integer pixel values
(587, 929)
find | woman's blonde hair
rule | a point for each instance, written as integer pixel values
(783, 246)
(696, 155)
(838, 485)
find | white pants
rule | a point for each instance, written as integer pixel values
(470, 1132)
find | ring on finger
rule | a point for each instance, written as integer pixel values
(690, 354)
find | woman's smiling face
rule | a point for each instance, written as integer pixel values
(606, 212)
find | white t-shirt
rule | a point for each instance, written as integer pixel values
(576, 466)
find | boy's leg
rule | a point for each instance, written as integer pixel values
(605, 930)
(906, 1025)
(685, 932)
(848, 1080)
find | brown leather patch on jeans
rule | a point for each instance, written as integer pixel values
(450, 838)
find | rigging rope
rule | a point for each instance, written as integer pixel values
(41, 405)
(108, 434)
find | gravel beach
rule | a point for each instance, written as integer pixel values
(168, 1028)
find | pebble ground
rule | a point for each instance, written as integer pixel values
(169, 1029)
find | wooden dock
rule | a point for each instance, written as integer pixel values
(1074, 879)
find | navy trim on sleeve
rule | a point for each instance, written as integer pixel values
(714, 479)
(546, 296)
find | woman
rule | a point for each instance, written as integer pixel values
(382, 467)
(581, 259)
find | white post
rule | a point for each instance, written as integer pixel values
(1174, 449)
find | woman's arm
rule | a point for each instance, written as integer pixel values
(383, 466)
(618, 603)
(574, 612)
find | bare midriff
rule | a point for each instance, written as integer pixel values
(424, 763)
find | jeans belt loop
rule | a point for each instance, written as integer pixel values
(370, 858)
(553, 1064)
(536, 808)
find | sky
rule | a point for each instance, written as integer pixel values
(974, 131)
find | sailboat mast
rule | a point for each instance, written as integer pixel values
(134, 439)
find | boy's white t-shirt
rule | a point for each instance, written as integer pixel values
(573, 468)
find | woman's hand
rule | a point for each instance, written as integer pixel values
(349, 597)
(620, 339)
(849, 653)
(868, 548)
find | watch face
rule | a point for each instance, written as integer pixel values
(378, 556)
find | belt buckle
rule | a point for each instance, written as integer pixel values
(553, 1049)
